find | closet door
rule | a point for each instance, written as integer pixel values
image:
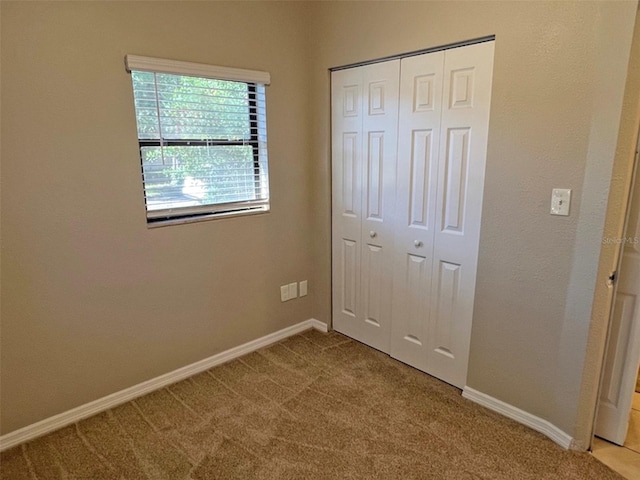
(346, 154)
(418, 147)
(462, 158)
(364, 131)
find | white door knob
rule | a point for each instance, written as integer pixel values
(372, 234)
(417, 243)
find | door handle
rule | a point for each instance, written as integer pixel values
(417, 243)
(373, 234)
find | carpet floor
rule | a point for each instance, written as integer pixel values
(313, 406)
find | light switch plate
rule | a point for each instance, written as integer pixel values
(284, 293)
(293, 290)
(560, 201)
(303, 288)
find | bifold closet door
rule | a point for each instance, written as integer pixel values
(444, 117)
(464, 131)
(364, 132)
(417, 177)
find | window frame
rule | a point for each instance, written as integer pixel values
(255, 81)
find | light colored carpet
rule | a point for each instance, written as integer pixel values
(314, 406)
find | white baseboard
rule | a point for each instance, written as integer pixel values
(105, 403)
(520, 416)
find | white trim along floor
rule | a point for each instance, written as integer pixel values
(105, 403)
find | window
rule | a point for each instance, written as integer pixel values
(202, 137)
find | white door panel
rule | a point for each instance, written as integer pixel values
(380, 133)
(418, 145)
(365, 116)
(462, 160)
(348, 265)
(346, 117)
(621, 361)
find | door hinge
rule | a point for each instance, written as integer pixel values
(612, 278)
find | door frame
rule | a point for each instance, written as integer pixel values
(618, 257)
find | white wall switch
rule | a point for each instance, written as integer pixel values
(284, 293)
(293, 290)
(303, 288)
(560, 201)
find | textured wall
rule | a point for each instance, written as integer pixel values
(547, 130)
(92, 300)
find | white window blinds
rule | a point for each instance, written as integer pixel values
(202, 138)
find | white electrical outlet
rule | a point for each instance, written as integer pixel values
(293, 290)
(560, 201)
(284, 293)
(303, 288)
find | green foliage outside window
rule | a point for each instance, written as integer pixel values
(196, 139)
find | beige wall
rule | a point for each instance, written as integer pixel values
(559, 75)
(92, 300)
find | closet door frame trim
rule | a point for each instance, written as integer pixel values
(413, 53)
